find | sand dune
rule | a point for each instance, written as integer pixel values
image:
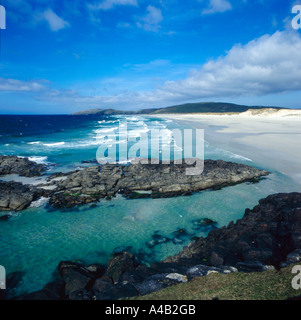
(269, 112)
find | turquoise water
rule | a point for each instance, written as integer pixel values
(36, 240)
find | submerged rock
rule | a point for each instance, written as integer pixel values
(180, 236)
(204, 222)
(156, 240)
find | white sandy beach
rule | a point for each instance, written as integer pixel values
(271, 139)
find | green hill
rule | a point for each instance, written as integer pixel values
(201, 107)
(206, 107)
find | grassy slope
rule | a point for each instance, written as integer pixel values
(268, 285)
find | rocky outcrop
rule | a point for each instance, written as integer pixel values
(134, 181)
(152, 180)
(264, 236)
(21, 166)
(123, 277)
(14, 196)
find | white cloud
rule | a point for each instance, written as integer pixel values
(217, 6)
(150, 22)
(265, 66)
(270, 64)
(109, 4)
(55, 22)
(14, 85)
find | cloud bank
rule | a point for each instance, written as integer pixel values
(270, 64)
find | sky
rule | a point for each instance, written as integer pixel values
(59, 56)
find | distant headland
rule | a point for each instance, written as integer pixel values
(200, 107)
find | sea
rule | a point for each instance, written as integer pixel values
(34, 241)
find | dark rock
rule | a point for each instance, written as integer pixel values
(75, 282)
(65, 266)
(69, 200)
(96, 269)
(21, 166)
(118, 265)
(253, 266)
(139, 181)
(104, 290)
(144, 257)
(51, 291)
(292, 258)
(94, 161)
(5, 217)
(149, 286)
(15, 196)
(201, 271)
(266, 234)
(13, 281)
(154, 283)
(81, 295)
(216, 259)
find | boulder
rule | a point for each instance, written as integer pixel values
(75, 282)
(21, 166)
(15, 196)
(104, 290)
(118, 265)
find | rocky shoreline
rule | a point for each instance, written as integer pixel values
(268, 237)
(133, 181)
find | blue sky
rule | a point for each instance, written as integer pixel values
(64, 56)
